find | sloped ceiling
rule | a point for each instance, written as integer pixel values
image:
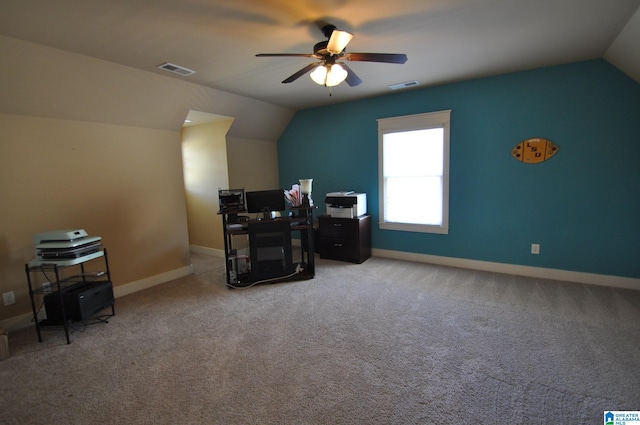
(624, 52)
(445, 40)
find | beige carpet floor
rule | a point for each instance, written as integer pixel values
(384, 342)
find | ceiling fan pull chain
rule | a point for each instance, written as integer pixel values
(326, 77)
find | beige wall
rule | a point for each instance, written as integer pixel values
(204, 152)
(92, 144)
(121, 183)
(47, 82)
(213, 161)
(253, 164)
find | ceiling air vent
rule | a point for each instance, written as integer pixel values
(176, 69)
(404, 85)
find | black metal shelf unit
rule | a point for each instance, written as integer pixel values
(74, 298)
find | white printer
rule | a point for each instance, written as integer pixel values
(64, 246)
(346, 204)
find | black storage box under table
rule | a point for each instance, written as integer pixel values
(81, 301)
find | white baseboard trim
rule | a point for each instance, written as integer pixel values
(25, 320)
(519, 270)
(213, 252)
(529, 271)
(17, 322)
(148, 282)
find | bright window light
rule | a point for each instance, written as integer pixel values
(414, 168)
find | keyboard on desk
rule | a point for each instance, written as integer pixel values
(244, 225)
(237, 226)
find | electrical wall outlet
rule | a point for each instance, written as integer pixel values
(535, 248)
(9, 298)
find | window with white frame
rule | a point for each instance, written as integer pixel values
(413, 154)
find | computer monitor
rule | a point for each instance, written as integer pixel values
(265, 201)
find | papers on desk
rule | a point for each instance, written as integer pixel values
(294, 196)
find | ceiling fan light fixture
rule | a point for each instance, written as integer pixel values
(338, 41)
(318, 75)
(329, 75)
(329, 71)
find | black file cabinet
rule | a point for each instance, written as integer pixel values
(345, 239)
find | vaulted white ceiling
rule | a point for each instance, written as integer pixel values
(445, 40)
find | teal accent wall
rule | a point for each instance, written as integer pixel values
(582, 205)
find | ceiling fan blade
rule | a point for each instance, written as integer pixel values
(276, 55)
(399, 58)
(352, 79)
(338, 41)
(302, 72)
